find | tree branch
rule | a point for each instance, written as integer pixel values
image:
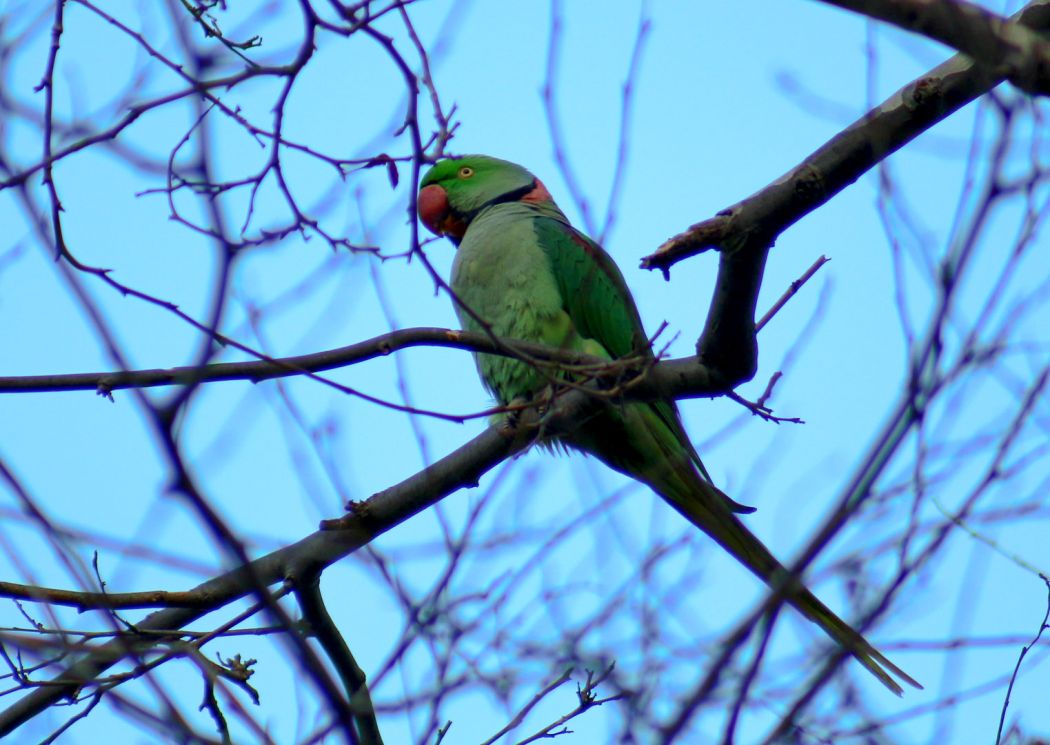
(323, 628)
(307, 557)
(846, 157)
(683, 377)
(1009, 48)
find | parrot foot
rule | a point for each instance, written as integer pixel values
(543, 402)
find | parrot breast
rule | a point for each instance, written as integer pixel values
(502, 275)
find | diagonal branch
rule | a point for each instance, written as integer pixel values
(1011, 49)
(305, 558)
(846, 157)
(323, 628)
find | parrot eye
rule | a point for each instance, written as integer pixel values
(466, 172)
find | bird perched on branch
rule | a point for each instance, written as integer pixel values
(523, 272)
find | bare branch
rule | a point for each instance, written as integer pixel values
(1008, 47)
(842, 160)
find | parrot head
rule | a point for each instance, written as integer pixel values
(454, 190)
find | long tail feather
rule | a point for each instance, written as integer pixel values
(651, 446)
(657, 457)
(703, 508)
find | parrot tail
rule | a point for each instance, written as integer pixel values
(648, 443)
(705, 508)
(872, 659)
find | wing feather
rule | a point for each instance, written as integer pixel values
(600, 305)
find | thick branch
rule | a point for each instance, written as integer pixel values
(1010, 49)
(728, 347)
(842, 160)
(323, 628)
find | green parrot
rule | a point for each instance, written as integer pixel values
(524, 272)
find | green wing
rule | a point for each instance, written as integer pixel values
(593, 289)
(601, 307)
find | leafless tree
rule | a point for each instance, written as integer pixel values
(211, 166)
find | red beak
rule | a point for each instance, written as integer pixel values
(435, 213)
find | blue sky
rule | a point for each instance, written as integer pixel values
(729, 96)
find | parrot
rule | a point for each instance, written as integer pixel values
(522, 271)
